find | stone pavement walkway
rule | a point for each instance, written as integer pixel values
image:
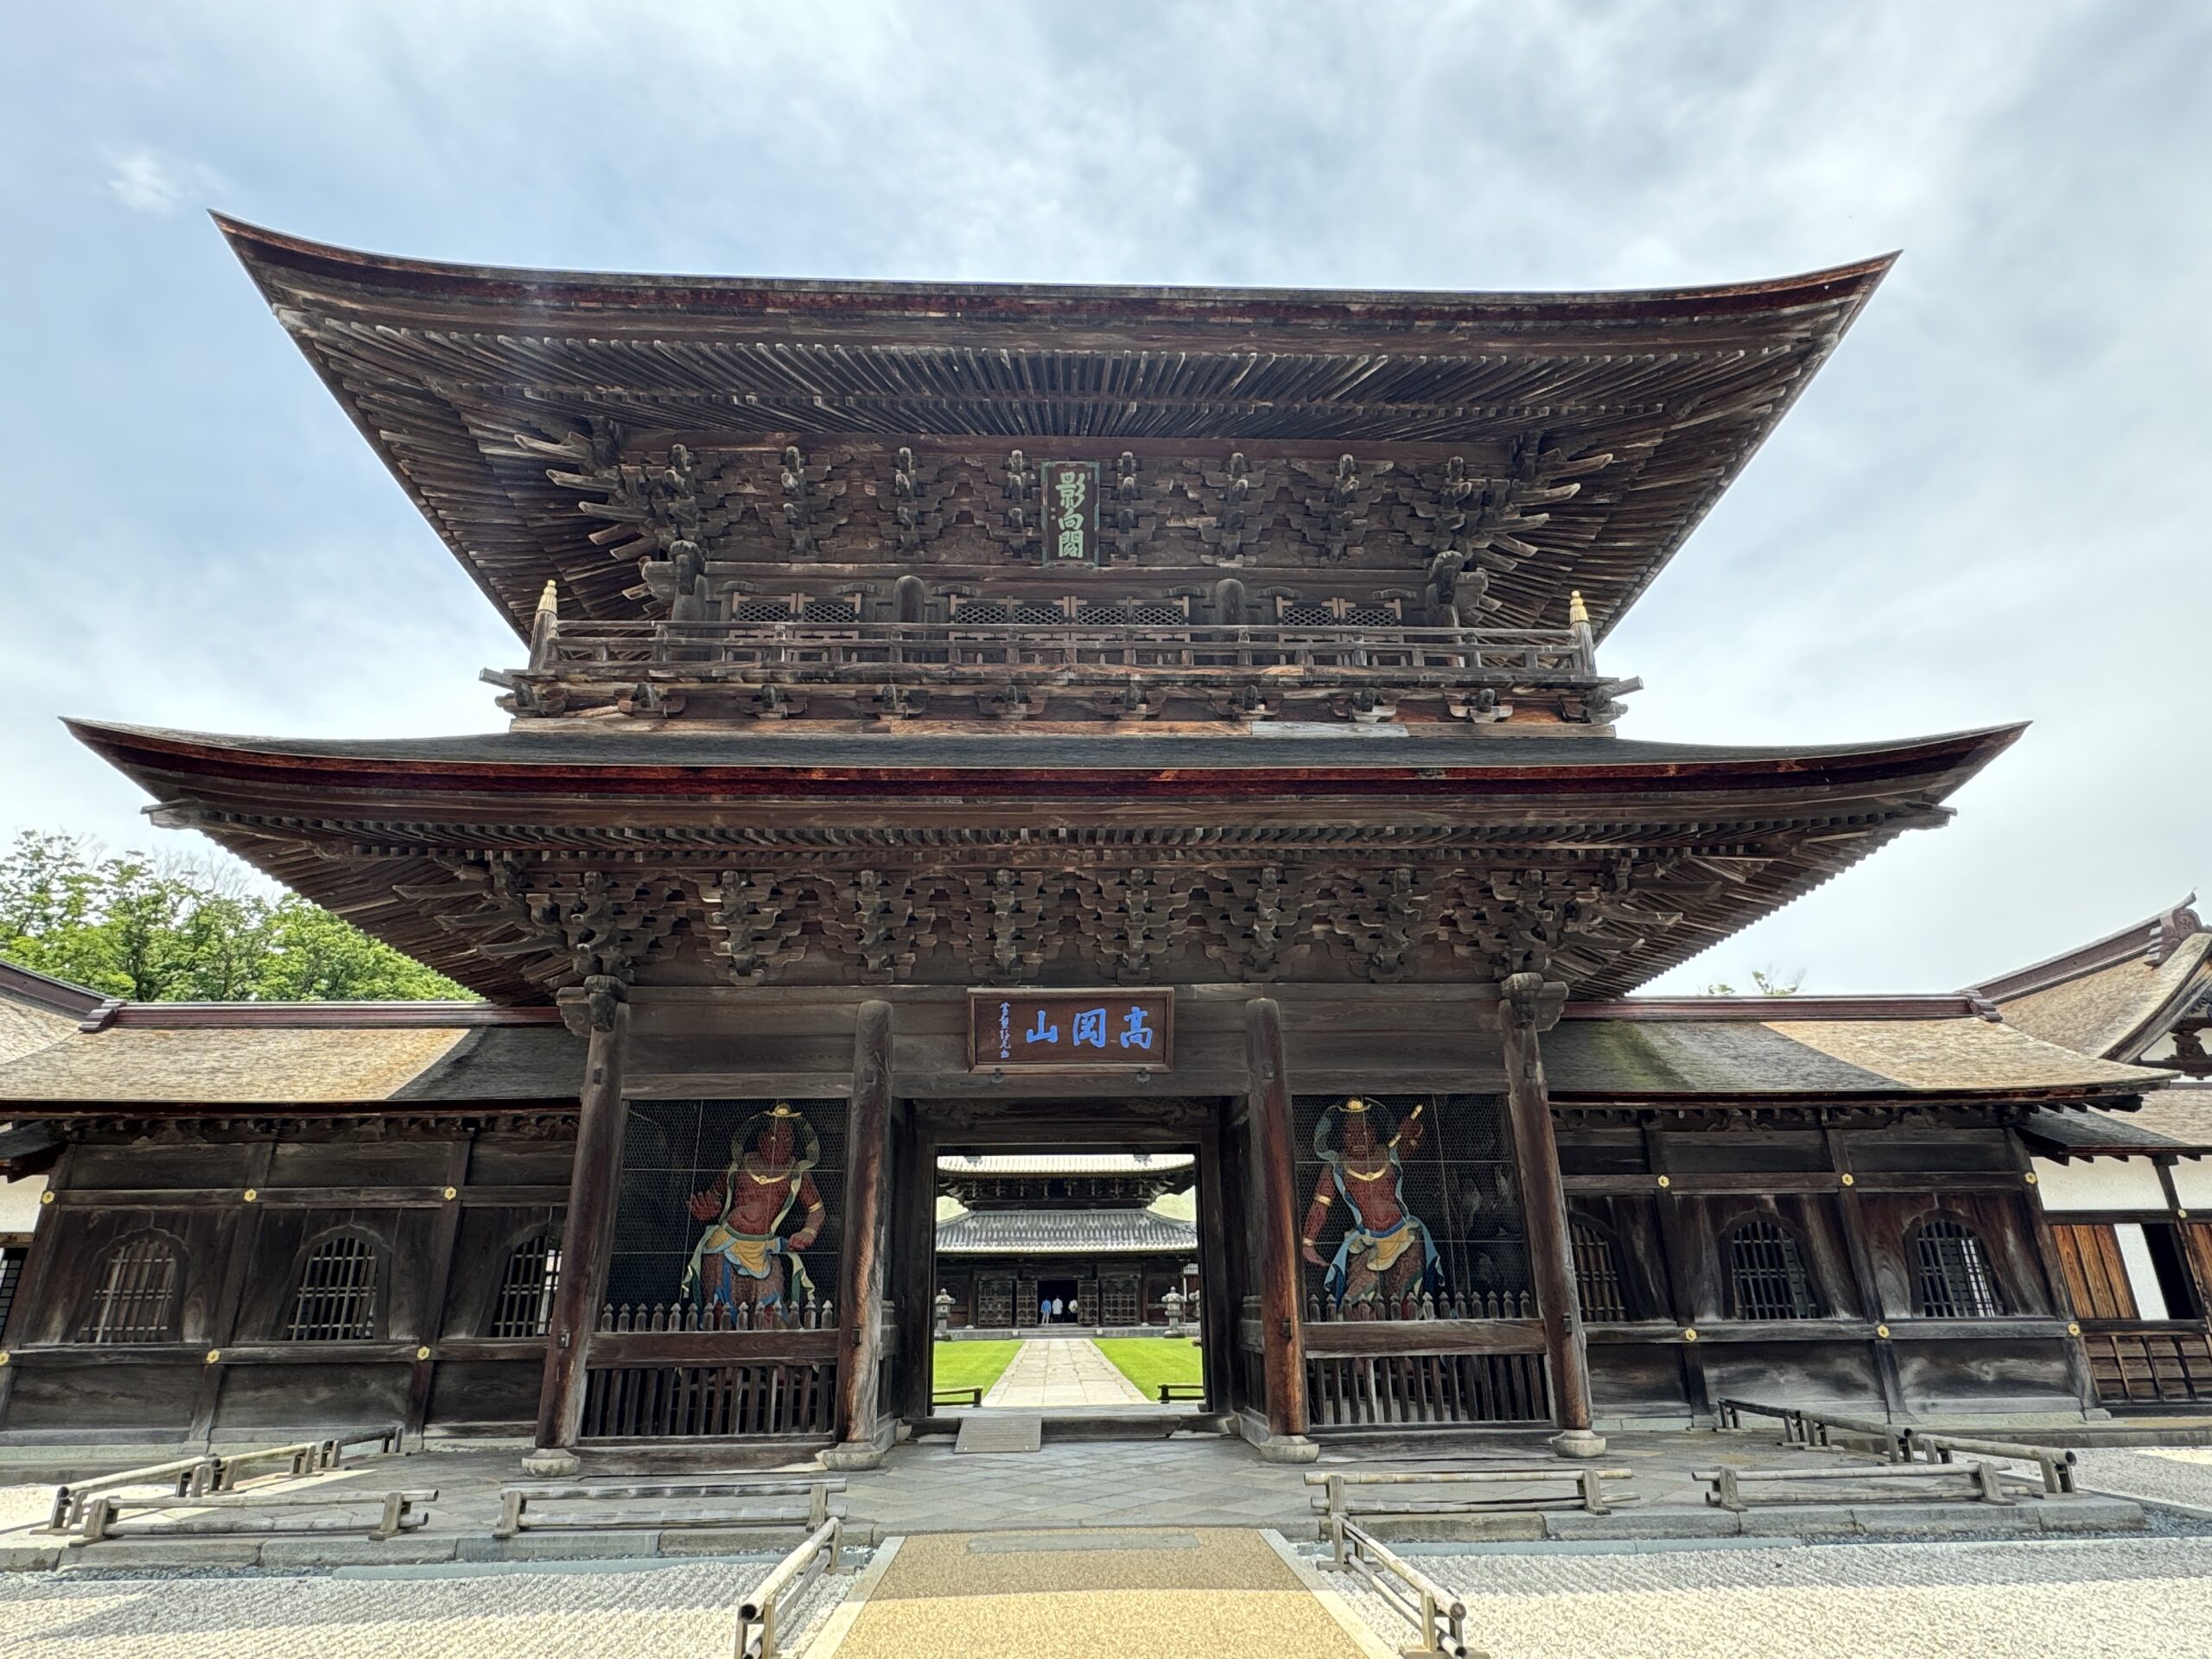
(1060, 1375)
(1138, 1594)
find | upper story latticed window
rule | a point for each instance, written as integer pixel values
(1766, 1274)
(1597, 1273)
(336, 1300)
(134, 1297)
(533, 1272)
(1951, 1273)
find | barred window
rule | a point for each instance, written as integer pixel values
(1101, 614)
(1766, 1272)
(759, 610)
(1597, 1273)
(337, 1297)
(1040, 613)
(1309, 614)
(1952, 1271)
(1372, 616)
(832, 610)
(988, 611)
(136, 1296)
(525, 1304)
(11, 1272)
(1162, 614)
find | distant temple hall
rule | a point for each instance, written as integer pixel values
(1034, 807)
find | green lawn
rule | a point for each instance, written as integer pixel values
(970, 1364)
(1150, 1361)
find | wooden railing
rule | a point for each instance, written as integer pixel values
(2156, 1365)
(1470, 1305)
(1466, 1358)
(868, 651)
(667, 1372)
(657, 668)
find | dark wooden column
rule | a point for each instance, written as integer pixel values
(1217, 1301)
(1283, 1343)
(1886, 1372)
(860, 1275)
(1684, 1277)
(913, 1265)
(588, 1235)
(2078, 1369)
(1526, 1006)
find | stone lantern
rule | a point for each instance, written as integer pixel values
(944, 1313)
(1172, 1302)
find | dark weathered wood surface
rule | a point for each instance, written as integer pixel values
(862, 1276)
(587, 1236)
(1275, 1201)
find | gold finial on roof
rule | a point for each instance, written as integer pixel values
(1577, 614)
(550, 599)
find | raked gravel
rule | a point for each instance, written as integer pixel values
(644, 1612)
(2139, 1598)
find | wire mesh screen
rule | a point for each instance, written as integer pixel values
(1956, 1282)
(730, 1207)
(336, 1300)
(1766, 1272)
(533, 1272)
(135, 1298)
(1409, 1208)
(1597, 1273)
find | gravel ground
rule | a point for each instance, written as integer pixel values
(580, 1612)
(25, 1506)
(2160, 1474)
(2030, 1600)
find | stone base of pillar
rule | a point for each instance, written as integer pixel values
(1578, 1443)
(1274, 1449)
(853, 1455)
(551, 1463)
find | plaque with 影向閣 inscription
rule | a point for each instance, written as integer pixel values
(1071, 1031)
(1070, 510)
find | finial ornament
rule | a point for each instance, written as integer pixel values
(1577, 614)
(548, 601)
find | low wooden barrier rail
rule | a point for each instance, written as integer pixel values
(1341, 1493)
(186, 1477)
(1171, 1392)
(1439, 1616)
(232, 1514)
(1821, 1430)
(2054, 1464)
(1983, 1481)
(522, 1507)
(956, 1396)
(760, 1616)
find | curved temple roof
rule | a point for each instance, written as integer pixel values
(1654, 399)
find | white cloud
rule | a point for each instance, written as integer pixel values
(147, 181)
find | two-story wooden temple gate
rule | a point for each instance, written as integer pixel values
(906, 666)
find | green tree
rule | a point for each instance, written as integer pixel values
(176, 932)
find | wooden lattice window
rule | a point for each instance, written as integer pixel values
(829, 609)
(1597, 1273)
(336, 1300)
(1952, 1272)
(135, 1298)
(1766, 1274)
(759, 610)
(525, 1303)
(1120, 1301)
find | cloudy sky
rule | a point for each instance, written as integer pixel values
(1985, 510)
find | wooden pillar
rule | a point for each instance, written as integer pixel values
(1217, 1301)
(1523, 1009)
(435, 1285)
(1683, 1276)
(587, 1234)
(1886, 1372)
(867, 1209)
(240, 1244)
(912, 1264)
(2078, 1369)
(1282, 1342)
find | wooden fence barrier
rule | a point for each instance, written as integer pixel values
(1820, 1430)
(2056, 1464)
(1982, 1481)
(1342, 1493)
(1439, 1616)
(956, 1396)
(522, 1507)
(760, 1618)
(1171, 1392)
(185, 1477)
(231, 1514)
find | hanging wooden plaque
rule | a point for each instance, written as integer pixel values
(1071, 1031)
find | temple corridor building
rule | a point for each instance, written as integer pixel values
(958, 730)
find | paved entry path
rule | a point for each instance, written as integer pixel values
(1142, 1594)
(1062, 1373)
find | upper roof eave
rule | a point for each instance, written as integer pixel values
(544, 293)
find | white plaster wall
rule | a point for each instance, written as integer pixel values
(2193, 1182)
(19, 1203)
(2142, 1276)
(2100, 1183)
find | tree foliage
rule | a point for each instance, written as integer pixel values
(1770, 983)
(160, 930)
